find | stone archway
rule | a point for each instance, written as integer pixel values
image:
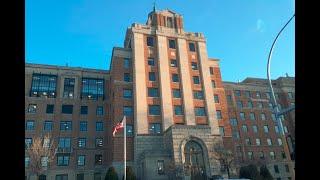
(194, 158)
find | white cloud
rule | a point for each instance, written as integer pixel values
(260, 25)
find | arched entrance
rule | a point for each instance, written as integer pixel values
(194, 160)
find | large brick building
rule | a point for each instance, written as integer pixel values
(171, 92)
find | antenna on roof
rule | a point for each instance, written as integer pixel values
(154, 6)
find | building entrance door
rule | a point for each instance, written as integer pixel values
(194, 161)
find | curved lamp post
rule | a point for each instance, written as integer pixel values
(276, 109)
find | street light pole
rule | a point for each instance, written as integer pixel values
(277, 111)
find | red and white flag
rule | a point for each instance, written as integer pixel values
(118, 126)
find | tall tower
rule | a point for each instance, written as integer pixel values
(173, 95)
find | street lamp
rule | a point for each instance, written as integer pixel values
(276, 110)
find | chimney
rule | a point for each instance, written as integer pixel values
(287, 75)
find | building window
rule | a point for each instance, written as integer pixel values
(81, 160)
(176, 93)
(258, 95)
(63, 160)
(84, 110)
(276, 168)
(285, 129)
(98, 159)
(250, 155)
(273, 117)
(126, 63)
(255, 128)
(150, 41)
(258, 142)
(178, 111)
(82, 142)
(67, 109)
(279, 142)
(263, 116)
(276, 129)
(64, 144)
(252, 116)
(259, 105)
(194, 66)
(213, 83)
(62, 177)
(127, 77)
(152, 76)
(151, 61)
(160, 166)
(172, 44)
(211, 70)
(283, 154)
(290, 95)
(237, 93)
(192, 47)
(175, 78)
(65, 125)
(48, 126)
(268, 95)
(287, 168)
(43, 85)
(68, 88)
(28, 142)
(99, 126)
(30, 125)
(219, 115)
(196, 80)
(32, 108)
(270, 105)
(200, 111)
(248, 94)
(229, 99)
(239, 104)
(266, 128)
(269, 141)
(198, 95)
(169, 22)
(173, 63)
(26, 162)
(216, 98)
(50, 108)
(44, 161)
(153, 92)
(242, 116)
(127, 110)
(155, 128)
(83, 126)
(92, 88)
(99, 111)
(233, 122)
(250, 104)
(261, 155)
(248, 141)
(129, 130)
(127, 93)
(221, 130)
(154, 110)
(244, 128)
(99, 142)
(235, 134)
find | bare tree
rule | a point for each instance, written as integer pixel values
(224, 156)
(41, 152)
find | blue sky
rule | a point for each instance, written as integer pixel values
(82, 33)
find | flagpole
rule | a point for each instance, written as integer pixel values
(125, 147)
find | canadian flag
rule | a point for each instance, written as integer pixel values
(118, 126)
